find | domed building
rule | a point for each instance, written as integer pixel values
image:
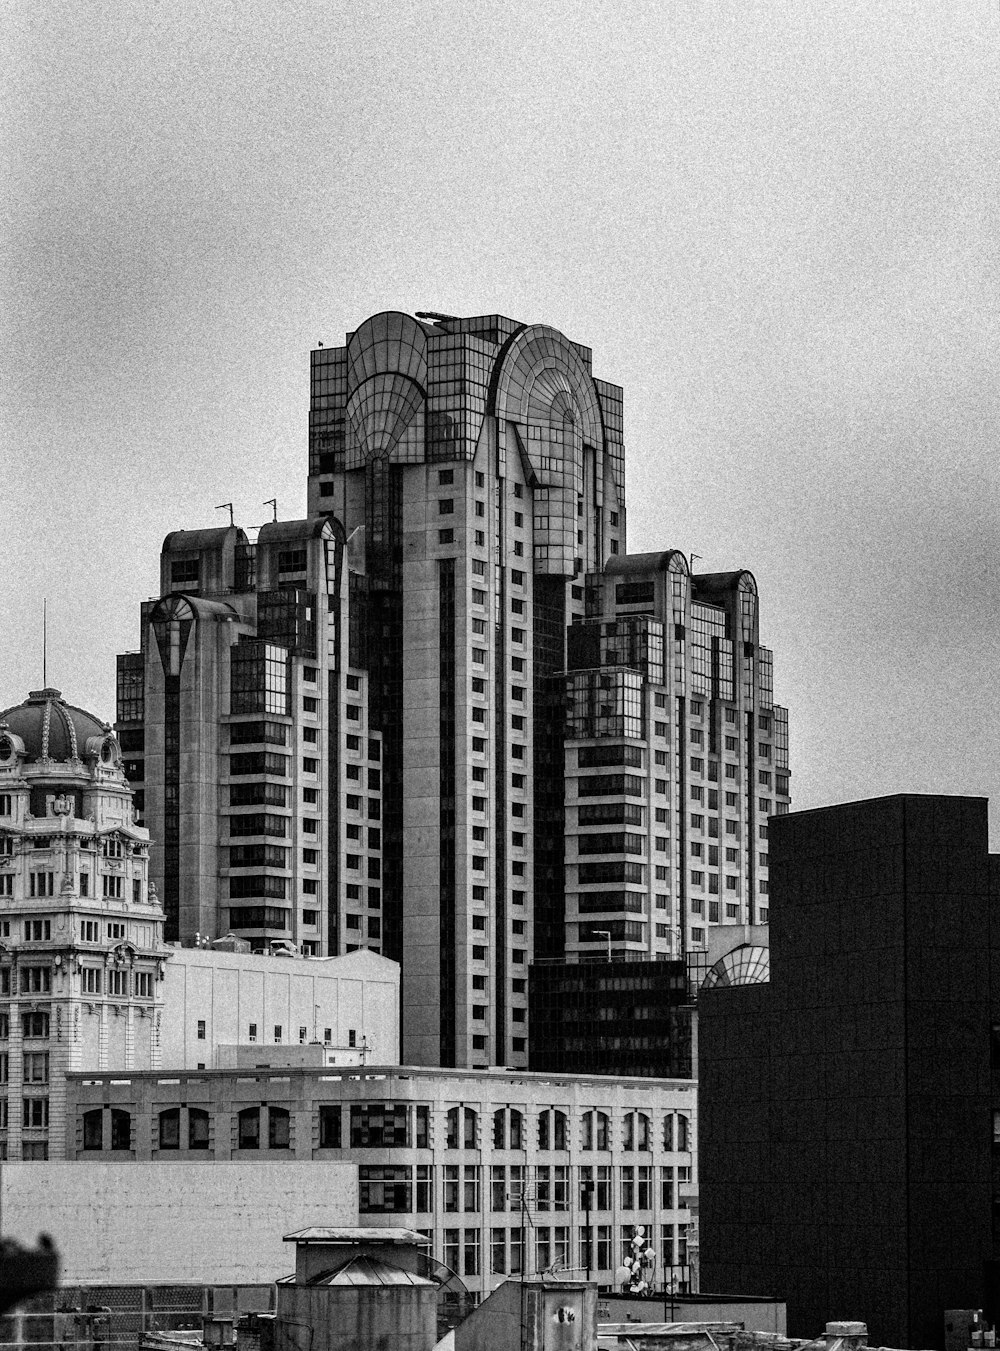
(81, 930)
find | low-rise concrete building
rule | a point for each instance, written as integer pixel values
(503, 1172)
(121, 1224)
(214, 999)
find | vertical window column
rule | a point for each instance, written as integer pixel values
(446, 849)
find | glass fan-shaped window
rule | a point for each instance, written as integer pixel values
(745, 965)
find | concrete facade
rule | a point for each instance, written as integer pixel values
(138, 1223)
(849, 1107)
(212, 999)
(495, 1168)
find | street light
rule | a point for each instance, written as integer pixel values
(605, 933)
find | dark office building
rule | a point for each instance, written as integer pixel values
(848, 1109)
(629, 1018)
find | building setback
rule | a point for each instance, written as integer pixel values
(849, 1108)
(447, 716)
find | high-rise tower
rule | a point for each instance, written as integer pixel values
(447, 716)
(478, 466)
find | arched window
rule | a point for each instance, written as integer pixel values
(595, 1130)
(197, 1128)
(121, 1129)
(642, 1131)
(516, 1129)
(668, 1131)
(93, 1129)
(559, 1132)
(500, 1128)
(543, 1130)
(683, 1132)
(461, 1128)
(170, 1128)
(248, 1136)
(278, 1128)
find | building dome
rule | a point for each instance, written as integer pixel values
(49, 728)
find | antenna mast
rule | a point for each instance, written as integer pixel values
(45, 645)
(222, 507)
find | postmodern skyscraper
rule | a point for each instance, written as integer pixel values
(447, 715)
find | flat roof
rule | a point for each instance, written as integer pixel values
(341, 1234)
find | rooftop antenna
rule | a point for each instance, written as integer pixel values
(691, 563)
(271, 502)
(222, 507)
(45, 643)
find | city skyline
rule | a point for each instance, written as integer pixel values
(448, 715)
(777, 223)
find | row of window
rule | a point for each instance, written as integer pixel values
(404, 1189)
(552, 1249)
(43, 884)
(93, 980)
(396, 1125)
(34, 1067)
(34, 1116)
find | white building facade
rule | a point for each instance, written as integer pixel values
(505, 1173)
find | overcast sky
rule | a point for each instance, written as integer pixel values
(775, 223)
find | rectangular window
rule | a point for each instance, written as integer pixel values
(329, 1127)
(33, 1025)
(36, 1067)
(37, 979)
(384, 1191)
(35, 1113)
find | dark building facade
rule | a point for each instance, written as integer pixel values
(610, 1018)
(848, 1109)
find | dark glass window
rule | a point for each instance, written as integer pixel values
(329, 1127)
(121, 1129)
(278, 1127)
(93, 1129)
(170, 1128)
(384, 1190)
(248, 1135)
(197, 1128)
(382, 1125)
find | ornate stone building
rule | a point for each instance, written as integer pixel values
(81, 930)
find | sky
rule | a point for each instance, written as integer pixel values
(775, 222)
